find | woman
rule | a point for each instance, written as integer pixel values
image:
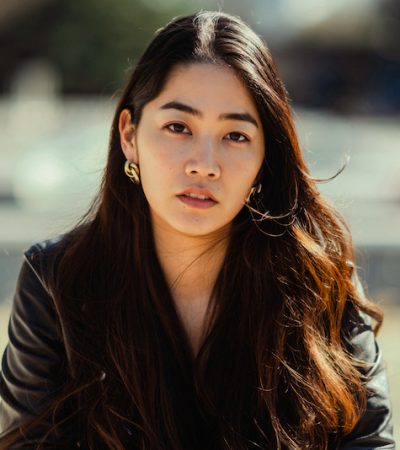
(213, 302)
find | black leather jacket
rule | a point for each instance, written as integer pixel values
(32, 360)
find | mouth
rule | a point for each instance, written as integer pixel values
(197, 199)
(199, 193)
(201, 197)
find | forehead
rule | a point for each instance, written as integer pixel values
(207, 86)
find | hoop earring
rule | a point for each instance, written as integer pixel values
(132, 171)
(262, 217)
(253, 191)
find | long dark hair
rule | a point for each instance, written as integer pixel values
(275, 369)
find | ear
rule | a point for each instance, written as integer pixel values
(127, 136)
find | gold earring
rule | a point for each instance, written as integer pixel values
(253, 191)
(132, 171)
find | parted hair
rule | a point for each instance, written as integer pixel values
(275, 369)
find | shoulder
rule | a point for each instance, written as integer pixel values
(34, 363)
(34, 287)
(42, 257)
(44, 249)
(374, 429)
(358, 330)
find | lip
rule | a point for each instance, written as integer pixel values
(197, 202)
(198, 191)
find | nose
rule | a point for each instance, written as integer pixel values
(203, 160)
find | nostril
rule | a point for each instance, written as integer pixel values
(205, 170)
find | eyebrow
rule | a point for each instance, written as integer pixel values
(245, 117)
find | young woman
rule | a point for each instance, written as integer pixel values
(209, 299)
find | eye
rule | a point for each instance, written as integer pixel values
(177, 128)
(237, 137)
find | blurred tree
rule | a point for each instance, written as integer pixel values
(90, 42)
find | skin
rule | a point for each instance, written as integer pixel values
(217, 144)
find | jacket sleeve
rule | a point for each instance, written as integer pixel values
(33, 364)
(374, 430)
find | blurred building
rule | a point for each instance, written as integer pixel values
(348, 63)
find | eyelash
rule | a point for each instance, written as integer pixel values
(241, 135)
(174, 131)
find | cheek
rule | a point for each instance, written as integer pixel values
(156, 156)
(244, 170)
(160, 167)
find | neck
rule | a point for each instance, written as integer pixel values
(190, 263)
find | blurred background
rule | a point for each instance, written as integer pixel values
(63, 63)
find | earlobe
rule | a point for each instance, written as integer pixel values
(127, 136)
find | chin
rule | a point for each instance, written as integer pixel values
(203, 230)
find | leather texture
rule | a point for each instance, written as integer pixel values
(35, 362)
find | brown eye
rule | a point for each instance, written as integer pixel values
(178, 128)
(237, 137)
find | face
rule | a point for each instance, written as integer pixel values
(199, 145)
